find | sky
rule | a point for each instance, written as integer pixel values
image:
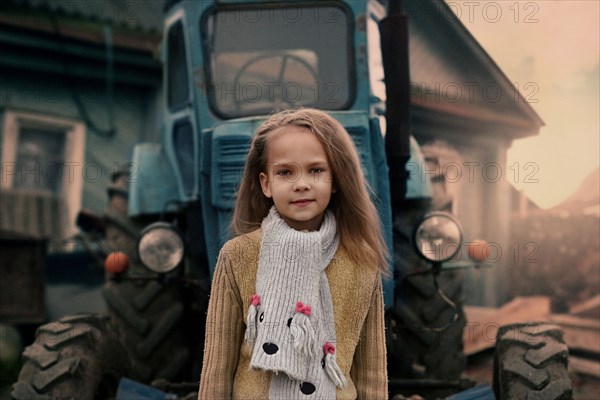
(550, 50)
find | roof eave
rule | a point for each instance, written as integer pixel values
(481, 54)
(458, 117)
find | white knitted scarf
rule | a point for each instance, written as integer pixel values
(290, 324)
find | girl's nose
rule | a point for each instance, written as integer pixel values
(301, 184)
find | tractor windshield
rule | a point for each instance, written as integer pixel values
(266, 59)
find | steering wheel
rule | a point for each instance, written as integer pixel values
(278, 97)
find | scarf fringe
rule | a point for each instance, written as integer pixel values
(250, 335)
(303, 334)
(334, 372)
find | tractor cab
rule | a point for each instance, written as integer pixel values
(228, 66)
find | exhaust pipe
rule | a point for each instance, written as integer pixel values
(394, 49)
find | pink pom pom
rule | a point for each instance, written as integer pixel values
(303, 308)
(255, 300)
(328, 348)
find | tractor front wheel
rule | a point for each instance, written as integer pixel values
(77, 357)
(531, 363)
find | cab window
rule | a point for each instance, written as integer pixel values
(265, 59)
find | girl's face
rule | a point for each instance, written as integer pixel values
(298, 178)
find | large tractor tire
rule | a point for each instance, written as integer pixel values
(150, 317)
(149, 313)
(78, 357)
(429, 332)
(531, 363)
(422, 341)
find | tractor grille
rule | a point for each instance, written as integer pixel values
(227, 168)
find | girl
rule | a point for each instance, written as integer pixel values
(296, 307)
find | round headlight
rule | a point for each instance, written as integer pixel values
(437, 237)
(160, 247)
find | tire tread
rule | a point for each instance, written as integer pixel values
(531, 363)
(57, 356)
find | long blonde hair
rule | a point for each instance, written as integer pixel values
(357, 219)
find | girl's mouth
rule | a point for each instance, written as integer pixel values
(302, 202)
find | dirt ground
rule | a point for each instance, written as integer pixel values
(480, 369)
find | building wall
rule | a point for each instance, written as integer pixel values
(136, 118)
(484, 210)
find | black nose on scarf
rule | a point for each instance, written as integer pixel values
(307, 388)
(270, 348)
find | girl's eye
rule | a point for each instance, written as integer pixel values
(316, 170)
(262, 317)
(283, 172)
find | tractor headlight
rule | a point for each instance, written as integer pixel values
(437, 237)
(160, 247)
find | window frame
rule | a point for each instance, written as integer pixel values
(71, 191)
(178, 19)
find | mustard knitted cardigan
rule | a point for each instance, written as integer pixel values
(359, 324)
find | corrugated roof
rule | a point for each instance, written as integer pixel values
(145, 15)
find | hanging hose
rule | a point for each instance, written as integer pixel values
(452, 304)
(110, 83)
(109, 96)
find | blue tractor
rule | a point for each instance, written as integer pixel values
(227, 66)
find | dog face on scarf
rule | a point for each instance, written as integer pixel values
(283, 336)
(294, 342)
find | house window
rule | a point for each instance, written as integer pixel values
(42, 164)
(40, 159)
